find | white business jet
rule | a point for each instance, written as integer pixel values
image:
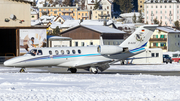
(91, 58)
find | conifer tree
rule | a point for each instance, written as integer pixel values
(140, 17)
(176, 23)
(125, 5)
(134, 18)
(56, 31)
(82, 4)
(96, 5)
(156, 21)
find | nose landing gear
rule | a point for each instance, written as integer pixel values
(73, 70)
(22, 70)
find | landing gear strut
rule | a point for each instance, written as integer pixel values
(22, 70)
(73, 70)
(94, 70)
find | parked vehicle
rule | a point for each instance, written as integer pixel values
(167, 58)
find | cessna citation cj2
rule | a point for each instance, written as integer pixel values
(91, 58)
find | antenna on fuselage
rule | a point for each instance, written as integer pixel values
(101, 41)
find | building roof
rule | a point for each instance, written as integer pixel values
(55, 24)
(103, 29)
(65, 17)
(161, 1)
(70, 23)
(95, 22)
(168, 29)
(99, 28)
(129, 14)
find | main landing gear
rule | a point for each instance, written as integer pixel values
(73, 70)
(94, 70)
(22, 70)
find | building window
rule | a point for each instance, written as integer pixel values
(62, 52)
(67, 51)
(147, 6)
(157, 54)
(82, 43)
(79, 13)
(140, 1)
(107, 12)
(32, 16)
(156, 36)
(162, 36)
(55, 12)
(107, 7)
(82, 14)
(156, 12)
(90, 7)
(160, 6)
(76, 43)
(91, 43)
(177, 6)
(165, 6)
(152, 54)
(151, 6)
(59, 9)
(163, 44)
(161, 17)
(73, 51)
(86, 14)
(161, 12)
(165, 12)
(147, 12)
(169, 6)
(141, 6)
(73, 14)
(177, 11)
(156, 6)
(50, 52)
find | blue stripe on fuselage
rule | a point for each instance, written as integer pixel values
(138, 49)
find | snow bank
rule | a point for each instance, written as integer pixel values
(87, 87)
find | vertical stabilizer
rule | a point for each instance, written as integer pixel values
(138, 40)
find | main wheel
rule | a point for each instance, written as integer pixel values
(22, 70)
(94, 70)
(73, 70)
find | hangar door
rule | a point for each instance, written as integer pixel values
(7, 42)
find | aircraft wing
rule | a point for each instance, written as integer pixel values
(102, 65)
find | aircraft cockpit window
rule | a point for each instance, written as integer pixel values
(68, 52)
(57, 52)
(62, 52)
(73, 51)
(50, 52)
(79, 51)
(33, 52)
(39, 52)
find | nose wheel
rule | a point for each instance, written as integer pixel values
(73, 70)
(22, 70)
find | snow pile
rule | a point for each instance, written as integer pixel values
(86, 87)
(145, 67)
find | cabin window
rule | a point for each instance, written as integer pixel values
(62, 52)
(152, 54)
(67, 51)
(39, 52)
(73, 51)
(57, 52)
(50, 52)
(157, 54)
(79, 51)
(91, 43)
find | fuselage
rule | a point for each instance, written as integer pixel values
(63, 56)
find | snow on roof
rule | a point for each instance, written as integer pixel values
(125, 25)
(169, 29)
(70, 23)
(158, 1)
(95, 22)
(103, 29)
(35, 22)
(58, 37)
(65, 17)
(55, 24)
(91, 1)
(129, 14)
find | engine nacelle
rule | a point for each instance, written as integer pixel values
(108, 49)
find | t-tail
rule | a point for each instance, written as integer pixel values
(138, 40)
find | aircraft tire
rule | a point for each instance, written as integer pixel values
(22, 70)
(73, 70)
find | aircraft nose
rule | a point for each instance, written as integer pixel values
(8, 63)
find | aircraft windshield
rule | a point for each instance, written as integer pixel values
(32, 52)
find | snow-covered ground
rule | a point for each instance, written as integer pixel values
(91, 87)
(86, 87)
(151, 67)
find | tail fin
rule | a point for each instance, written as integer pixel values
(139, 38)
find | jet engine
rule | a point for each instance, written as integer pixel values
(108, 49)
